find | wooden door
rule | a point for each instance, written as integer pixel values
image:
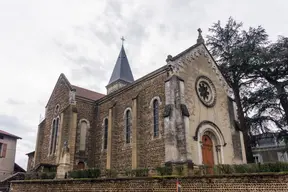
(207, 153)
(81, 165)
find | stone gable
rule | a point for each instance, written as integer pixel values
(59, 96)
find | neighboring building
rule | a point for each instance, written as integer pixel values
(269, 149)
(8, 144)
(179, 112)
(30, 163)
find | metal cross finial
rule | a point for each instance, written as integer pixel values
(122, 38)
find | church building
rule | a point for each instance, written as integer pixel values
(181, 112)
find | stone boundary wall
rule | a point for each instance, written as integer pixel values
(223, 183)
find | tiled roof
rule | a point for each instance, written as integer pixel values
(82, 92)
(9, 134)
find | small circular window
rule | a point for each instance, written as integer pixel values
(206, 91)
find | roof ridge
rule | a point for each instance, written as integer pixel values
(86, 89)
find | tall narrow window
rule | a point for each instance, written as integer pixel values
(83, 133)
(128, 125)
(156, 117)
(105, 133)
(55, 135)
(52, 136)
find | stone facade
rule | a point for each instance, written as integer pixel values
(192, 101)
(30, 163)
(191, 66)
(233, 183)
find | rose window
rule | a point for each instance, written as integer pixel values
(206, 91)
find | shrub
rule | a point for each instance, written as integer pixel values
(179, 169)
(140, 172)
(128, 172)
(110, 173)
(40, 175)
(94, 173)
(251, 168)
(166, 170)
(87, 173)
(224, 169)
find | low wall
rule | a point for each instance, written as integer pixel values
(223, 183)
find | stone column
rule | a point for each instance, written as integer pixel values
(177, 145)
(109, 144)
(185, 115)
(66, 149)
(134, 134)
(171, 150)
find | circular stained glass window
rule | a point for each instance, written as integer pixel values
(206, 91)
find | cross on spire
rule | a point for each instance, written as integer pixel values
(200, 38)
(122, 39)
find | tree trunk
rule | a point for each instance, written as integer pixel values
(283, 99)
(243, 126)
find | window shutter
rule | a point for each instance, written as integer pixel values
(4, 150)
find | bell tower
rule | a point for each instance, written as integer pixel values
(122, 74)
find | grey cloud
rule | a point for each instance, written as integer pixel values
(113, 7)
(14, 102)
(14, 124)
(66, 47)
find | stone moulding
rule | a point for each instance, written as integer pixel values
(167, 110)
(188, 57)
(213, 125)
(184, 110)
(212, 87)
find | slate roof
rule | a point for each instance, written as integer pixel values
(122, 70)
(82, 92)
(9, 134)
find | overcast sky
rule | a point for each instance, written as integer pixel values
(39, 39)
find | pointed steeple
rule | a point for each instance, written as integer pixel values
(122, 70)
(122, 74)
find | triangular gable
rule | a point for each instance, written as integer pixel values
(63, 78)
(192, 53)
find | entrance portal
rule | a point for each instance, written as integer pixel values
(207, 152)
(81, 165)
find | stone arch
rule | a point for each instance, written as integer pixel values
(213, 127)
(80, 165)
(105, 133)
(127, 117)
(211, 130)
(84, 126)
(152, 100)
(57, 109)
(54, 132)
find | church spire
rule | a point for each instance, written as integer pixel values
(122, 74)
(200, 38)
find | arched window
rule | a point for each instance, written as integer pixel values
(127, 126)
(81, 165)
(83, 133)
(156, 118)
(54, 135)
(105, 133)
